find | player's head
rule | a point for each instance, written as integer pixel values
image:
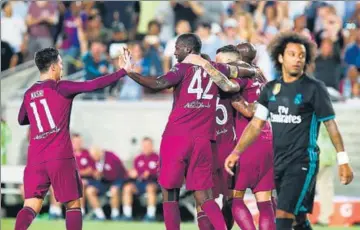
(186, 44)
(291, 53)
(49, 62)
(228, 54)
(76, 141)
(247, 52)
(147, 145)
(96, 153)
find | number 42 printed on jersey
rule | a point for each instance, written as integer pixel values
(197, 80)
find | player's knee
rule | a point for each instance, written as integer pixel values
(90, 191)
(73, 204)
(202, 196)
(284, 214)
(114, 191)
(151, 188)
(128, 188)
(34, 203)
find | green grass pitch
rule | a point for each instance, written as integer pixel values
(8, 224)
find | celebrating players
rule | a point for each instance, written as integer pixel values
(295, 105)
(46, 108)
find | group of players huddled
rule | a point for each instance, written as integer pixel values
(228, 130)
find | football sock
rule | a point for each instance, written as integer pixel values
(203, 221)
(284, 224)
(99, 213)
(212, 210)
(267, 218)
(242, 215)
(73, 219)
(115, 212)
(127, 211)
(151, 211)
(171, 215)
(24, 218)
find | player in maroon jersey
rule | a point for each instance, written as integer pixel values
(186, 144)
(47, 108)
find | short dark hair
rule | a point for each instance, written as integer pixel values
(44, 58)
(206, 25)
(154, 22)
(205, 56)
(228, 49)
(4, 4)
(278, 45)
(147, 139)
(191, 41)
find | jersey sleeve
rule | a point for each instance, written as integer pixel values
(262, 111)
(175, 75)
(322, 104)
(71, 89)
(241, 81)
(22, 117)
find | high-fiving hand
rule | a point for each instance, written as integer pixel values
(125, 61)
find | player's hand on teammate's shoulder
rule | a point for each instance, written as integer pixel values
(195, 60)
(346, 174)
(230, 163)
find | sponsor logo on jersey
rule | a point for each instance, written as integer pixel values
(283, 116)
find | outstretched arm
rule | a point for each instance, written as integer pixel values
(154, 83)
(71, 88)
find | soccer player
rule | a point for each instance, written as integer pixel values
(295, 105)
(186, 144)
(110, 175)
(46, 108)
(84, 162)
(145, 175)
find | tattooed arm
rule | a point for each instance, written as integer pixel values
(242, 106)
(224, 83)
(154, 83)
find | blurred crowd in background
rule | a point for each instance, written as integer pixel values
(91, 33)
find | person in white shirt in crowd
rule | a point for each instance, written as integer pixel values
(169, 59)
(246, 26)
(210, 42)
(13, 28)
(230, 35)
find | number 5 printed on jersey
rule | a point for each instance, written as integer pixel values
(200, 93)
(47, 112)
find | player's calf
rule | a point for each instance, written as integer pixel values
(28, 213)
(115, 202)
(211, 209)
(241, 213)
(171, 208)
(73, 215)
(128, 190)
(92, 196)
(151, 191)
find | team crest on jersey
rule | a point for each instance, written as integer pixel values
(276, 89)
(174, 69)
(298, 99)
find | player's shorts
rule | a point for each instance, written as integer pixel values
(295, 186)
(141, 186)
(255, 169)
(62, 174)
(221, 178)
(103, 186)
(185, 156)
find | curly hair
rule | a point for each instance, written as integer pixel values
(278, 44)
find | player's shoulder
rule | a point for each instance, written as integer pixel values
(313, 83)
(271, 84)
(40, 85)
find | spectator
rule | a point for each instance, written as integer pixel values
(187, 10)
(85, 164)
(328, 66)
(146, 15)
(95, 29)
(352, 59)
(331, 28)
(300, 25)
(119, 33)
(5, 140)
(130, 89)
(96, 65)
(20, 9)
(109, 176)
(267, 18)
(154, 48)
(165, 15)
(13, 28)
(145, 175)
(262, 59)
(210, 42)
(41, 16)
(169, 60)
(230, 36)
(213, 12)
(325, 178)
(74, 18)
(125, 10)
(246, 26)
(8, 58)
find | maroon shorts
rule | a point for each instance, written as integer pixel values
(185, 157)
(255, 169)
(61, 174)
(220, 177)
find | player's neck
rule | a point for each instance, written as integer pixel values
(46, 76)
(287, 78)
